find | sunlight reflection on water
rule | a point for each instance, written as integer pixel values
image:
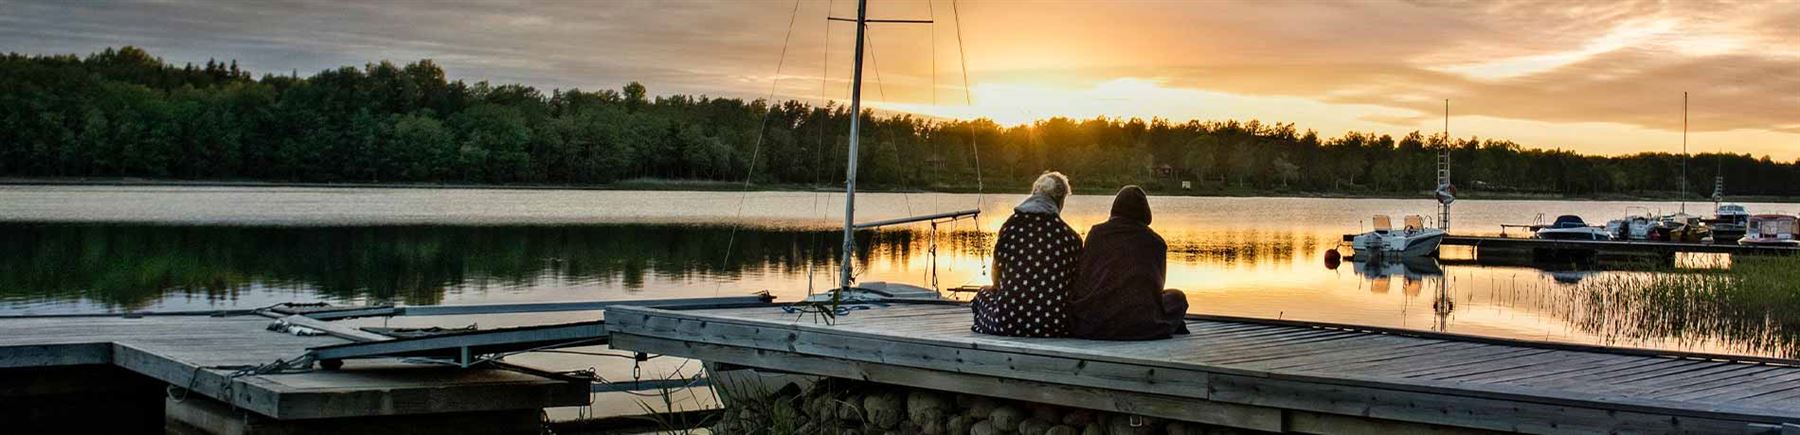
(85, 249)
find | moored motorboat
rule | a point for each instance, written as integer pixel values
(1680, 227)
(1728, 223)
(1770, 230)
(1571, 227)
(1411, 240)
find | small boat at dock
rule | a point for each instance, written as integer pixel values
(1770, 230)
(1728, 223)
(1411, 240)
(1571, 227)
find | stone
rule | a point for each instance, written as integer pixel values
(1120, 424)
(984, 427)
(1062, 429)
(1179, 428)
(820, 408)
(884, 410)
(848, 408)
(980, 407)
(933, 427)
(1048, 413)
(1006, 418)
(1078, 417)
(1034, 426)
(958, 425)
(924, 406)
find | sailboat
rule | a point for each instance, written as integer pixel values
(848, 290)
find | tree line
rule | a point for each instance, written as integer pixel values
(125, 113)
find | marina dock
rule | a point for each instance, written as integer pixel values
(1269, 375)
(1606, 247)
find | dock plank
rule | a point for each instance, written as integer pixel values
(1321, 372)
(202, 353)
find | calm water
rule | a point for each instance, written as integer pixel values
(94, 249)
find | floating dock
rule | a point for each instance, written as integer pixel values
(234, 373)
(200, 364)
(1278, 376)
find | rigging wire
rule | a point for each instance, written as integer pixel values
(932, 10)
(881, 89)
(761, 132)
(974, 150)
(823, 113)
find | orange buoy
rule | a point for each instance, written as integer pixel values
(1333, 258)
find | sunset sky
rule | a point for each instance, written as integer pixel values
(1597, 77)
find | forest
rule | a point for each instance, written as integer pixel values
(124, 113)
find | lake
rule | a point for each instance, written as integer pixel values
(83, 249)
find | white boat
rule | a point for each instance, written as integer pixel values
(1571, 227)
(1770, 230)
(1411, 240)
(1631, 227)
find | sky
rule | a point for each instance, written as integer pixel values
(1596, 77)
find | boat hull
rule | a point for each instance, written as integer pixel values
(1419, 244)
(1589, 234)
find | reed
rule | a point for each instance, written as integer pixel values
(1752, 306)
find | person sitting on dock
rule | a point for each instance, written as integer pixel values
(1034, 266)
(1120, 294)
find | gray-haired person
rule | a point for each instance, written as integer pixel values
(1035, 262)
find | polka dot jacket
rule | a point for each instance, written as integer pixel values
(1035, 261)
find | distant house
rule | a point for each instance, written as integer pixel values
(936, 163)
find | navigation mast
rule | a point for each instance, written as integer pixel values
(1445, 193)
(862, 23)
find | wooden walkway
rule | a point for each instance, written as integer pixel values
(1273, 376)
(203, 355)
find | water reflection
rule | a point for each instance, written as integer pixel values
(1248, 271)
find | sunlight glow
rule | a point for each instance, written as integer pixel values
(1620, 37)
(1019, 103)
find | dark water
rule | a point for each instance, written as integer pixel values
(129, 249)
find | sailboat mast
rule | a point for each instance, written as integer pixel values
(1684, 154)
(844, 269)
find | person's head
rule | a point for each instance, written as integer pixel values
(1052, 185)
(1132, 203)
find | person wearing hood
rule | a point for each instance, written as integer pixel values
(1120, 295)
(1034, 266)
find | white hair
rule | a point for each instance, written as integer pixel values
(1052, 184)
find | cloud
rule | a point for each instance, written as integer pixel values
(1597, 75)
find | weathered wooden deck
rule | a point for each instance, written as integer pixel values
(201, 354)
(1281, 376)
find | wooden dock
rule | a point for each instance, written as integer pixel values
(1278, 376)
(204, 359)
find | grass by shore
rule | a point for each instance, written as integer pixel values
(657, 184)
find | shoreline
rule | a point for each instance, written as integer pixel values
(725, 186)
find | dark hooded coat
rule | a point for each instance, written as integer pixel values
(1119, 293)
(1034, 267)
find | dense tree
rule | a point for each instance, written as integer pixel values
(125, 113)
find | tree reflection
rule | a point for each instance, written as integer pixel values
(130, 266)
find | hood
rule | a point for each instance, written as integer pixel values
(1132, 204)
(1039, 204)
